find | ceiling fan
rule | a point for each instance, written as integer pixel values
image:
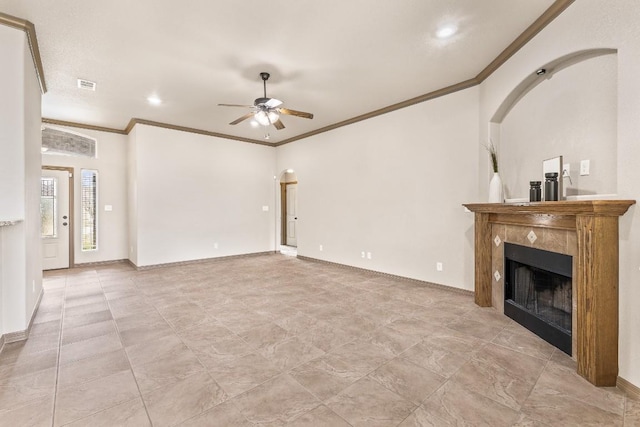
(267, 111)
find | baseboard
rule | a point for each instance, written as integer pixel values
(393, 276)
(35, 311)
(21, 335)
(200, 261)
(630, 389)
(100, 263)
(16, 336)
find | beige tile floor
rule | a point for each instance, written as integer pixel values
(273, 340)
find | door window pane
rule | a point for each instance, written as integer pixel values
(89, 220)
(48, 187)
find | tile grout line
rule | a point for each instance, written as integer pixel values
(58, 356)
(124, 349)
(58, 364)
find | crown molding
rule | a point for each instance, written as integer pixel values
(538, 25)
(82, 126)
(418, 99)
(32, 39)
(136, 121)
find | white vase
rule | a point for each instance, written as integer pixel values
(496, 194)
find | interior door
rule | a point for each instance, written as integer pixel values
(55, 219)
(292, 214)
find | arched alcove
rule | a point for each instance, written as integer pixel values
(567, 107)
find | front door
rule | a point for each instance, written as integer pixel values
(55, 219)
(292, 214)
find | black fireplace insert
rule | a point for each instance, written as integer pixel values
(538, 292)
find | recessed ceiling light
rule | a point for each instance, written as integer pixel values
(154, 100)
(445, 32)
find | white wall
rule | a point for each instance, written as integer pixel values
(193, 191)
(393, 186)
(132, 194)
(111, 164)
(590, 24)
(573, 114)
(20, 262)
(12, 163)
(33, 164)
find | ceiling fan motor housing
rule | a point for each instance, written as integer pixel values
(260, 101)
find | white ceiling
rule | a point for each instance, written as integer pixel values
(337, 59)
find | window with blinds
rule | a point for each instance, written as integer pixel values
(89, 211)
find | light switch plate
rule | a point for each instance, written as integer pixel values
(108, 208)
(265, 208)
(584, 167)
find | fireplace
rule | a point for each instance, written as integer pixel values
(538, 292)
(584, 229)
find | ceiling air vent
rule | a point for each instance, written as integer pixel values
(86, 84)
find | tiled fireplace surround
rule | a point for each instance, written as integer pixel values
(560, 241)
(585, 230)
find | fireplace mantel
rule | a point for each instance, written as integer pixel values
(595, 224)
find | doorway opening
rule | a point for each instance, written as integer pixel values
(289, 213)
(56, 215)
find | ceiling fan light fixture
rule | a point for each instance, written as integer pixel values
(265, 118)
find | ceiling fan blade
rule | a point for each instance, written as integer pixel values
(273, 103)
(235, 105)
(295, 113)
(245, 117)
(278, 124)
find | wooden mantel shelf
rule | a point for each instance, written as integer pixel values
(565, 207)
(595, 281)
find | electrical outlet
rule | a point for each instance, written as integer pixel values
(368, 255)
(321, 248)
(215, 245)
(584, 167)
(362, 254)
(439, 266)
